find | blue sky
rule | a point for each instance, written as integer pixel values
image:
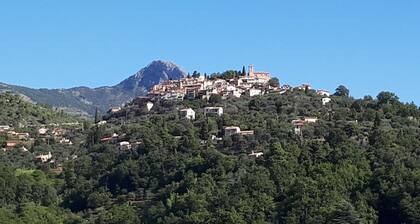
(368, 46)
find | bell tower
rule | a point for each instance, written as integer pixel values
(251, 71)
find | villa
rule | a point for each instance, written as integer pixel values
(213, 110)
(188, 113)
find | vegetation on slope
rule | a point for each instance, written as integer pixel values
(359, 163)
(17, 112)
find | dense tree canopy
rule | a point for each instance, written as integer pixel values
(359, 163)
(342, 91)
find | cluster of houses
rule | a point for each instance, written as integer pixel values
(15, 139)
(142, 102)
(254, 83)
(58, 134)
(326, 96)
(208, 111)
(189, 113)
(24, 140)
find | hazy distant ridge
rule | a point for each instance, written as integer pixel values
(84, 100)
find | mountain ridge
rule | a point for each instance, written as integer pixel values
(83, 100)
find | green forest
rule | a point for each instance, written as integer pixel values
(358, 163)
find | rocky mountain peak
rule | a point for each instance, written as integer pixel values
(152, 74)
(85, 100)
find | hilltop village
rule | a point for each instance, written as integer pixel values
(249, 84)
(194, 142)
(210, 89)
(253, 83)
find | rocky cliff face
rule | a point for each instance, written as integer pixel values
(84, 100)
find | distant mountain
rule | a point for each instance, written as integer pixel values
(84, 100)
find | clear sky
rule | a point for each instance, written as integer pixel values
(366, 45)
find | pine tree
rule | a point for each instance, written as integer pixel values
(243, 71)
(96, 130)
(96, 115)
(204, 132)
(377, 121)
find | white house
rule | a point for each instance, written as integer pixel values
(102, 123)
(232, 130)
(173, 96)
(326, 100)
(230, 88)
(42, 131)
(247, 133)
(66, 141)
(311, 119)
(4, 127)
(125, 145)
(188, 113)
(44, 158)
(254, 92)
(215, 138)
(236, 93)
(298, 130)
(213, 110)
(256, 154)
(305, 87)
(149, 106)
(322, 92)
(114, 110)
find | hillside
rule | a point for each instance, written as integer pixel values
(29, 192)
(83, 100)
(17, 112)
(20, 137)
(282, 157)
(351, 161)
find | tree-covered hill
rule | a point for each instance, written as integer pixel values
(358, 163)
(17, 112)
(20, 124)
(30, 192)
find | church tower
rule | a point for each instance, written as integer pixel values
(251, 71)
